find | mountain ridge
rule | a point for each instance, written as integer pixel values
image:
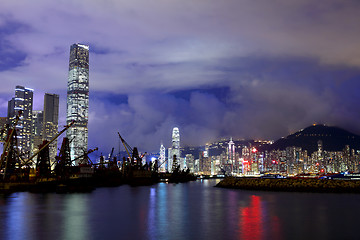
(333, 139)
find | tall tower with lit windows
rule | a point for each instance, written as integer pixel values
(50, 121)
(78, 100)
(175, 150)
(23, 101)
(162, 159)
(231, 156)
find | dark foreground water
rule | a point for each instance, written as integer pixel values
(194, 210)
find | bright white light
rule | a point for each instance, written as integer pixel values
(83, 46)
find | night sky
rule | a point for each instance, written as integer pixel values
(230, 68)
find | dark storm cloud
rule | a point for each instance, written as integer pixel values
(148, 118)
(265, 98)
(154, 65)
(281, 96)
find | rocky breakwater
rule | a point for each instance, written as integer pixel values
(292, 184)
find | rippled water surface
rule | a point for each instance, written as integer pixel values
(194, 210)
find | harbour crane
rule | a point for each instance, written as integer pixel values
(49, 142)
(135, 156)
(10, 153)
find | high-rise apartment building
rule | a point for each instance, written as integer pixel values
(23, 101)
(190, 162)
(204, 163)
(162, 159)
(38, 122)
(50, 122)
(231, 156)
(3, 128)
(169, 161)
(78, 99)
(45, 125)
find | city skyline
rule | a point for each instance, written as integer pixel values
(242, 69)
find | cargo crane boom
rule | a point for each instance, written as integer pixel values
(85, 155)
(111, 154)
(7, 143)
(126, 145)
(52, 140)
(8, 140)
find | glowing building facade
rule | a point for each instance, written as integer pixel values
(162, 159)
(175, 150)
(169, 161)
(38, 125)
(78, 100)
(23, 101)
(231, 156)
(50, 122)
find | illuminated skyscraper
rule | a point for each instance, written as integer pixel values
(190, 162)
(78, 100)
(3, 123)
(205, 162)
(162, 159)
(231, 155)
(175, 150)
(23, 101)
(38, 125)
(50, 121)
(169, 161)
(245, 160)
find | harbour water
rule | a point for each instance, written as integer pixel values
(194, 210)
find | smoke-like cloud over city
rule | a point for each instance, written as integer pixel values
(240, 68)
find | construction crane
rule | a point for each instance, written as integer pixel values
(63, 161)
(85, 164)
(43, 168)
(112, 161)
(112, 152)
(126, 145)
(2, 133)
(135, 156)
(86, 160)
(49, 142)
(8, 150)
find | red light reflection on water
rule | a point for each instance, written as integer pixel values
(256, 223)
(251, 220)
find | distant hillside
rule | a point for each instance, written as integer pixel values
(333, 138)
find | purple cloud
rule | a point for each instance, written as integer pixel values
(286, 64)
